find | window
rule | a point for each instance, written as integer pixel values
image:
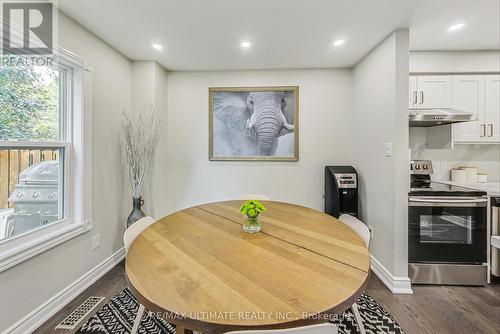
(45, 120)
(35, 135)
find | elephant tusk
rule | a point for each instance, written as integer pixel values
(248, 124)
(289, 127)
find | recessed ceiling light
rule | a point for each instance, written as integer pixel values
(456, 26)
(157, 46)
(246, 44)
(339, 42)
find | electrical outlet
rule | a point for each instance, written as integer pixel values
(95, 242)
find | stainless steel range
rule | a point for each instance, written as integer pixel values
(446, 231)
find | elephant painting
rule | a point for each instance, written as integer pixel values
(254, 123)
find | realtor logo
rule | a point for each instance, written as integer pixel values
(27, 28)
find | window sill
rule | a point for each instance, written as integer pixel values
(19, 249)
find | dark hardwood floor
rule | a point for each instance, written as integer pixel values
(107, 286)
(442, 309)
(431, 309)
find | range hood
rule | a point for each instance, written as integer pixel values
(438, 116)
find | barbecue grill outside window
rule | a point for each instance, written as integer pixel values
(35, 198)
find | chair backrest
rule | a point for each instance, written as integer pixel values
(258, 197)
(358, 226)
(135, 229)
(326, 328)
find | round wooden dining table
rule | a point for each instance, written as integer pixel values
(197, 269)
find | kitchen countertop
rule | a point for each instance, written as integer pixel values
(492, 188)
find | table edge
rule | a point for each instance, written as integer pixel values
(216, 328)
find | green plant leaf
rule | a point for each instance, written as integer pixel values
(252, 208)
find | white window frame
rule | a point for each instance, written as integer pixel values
(77, 170)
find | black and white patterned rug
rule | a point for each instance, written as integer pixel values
(117, 317)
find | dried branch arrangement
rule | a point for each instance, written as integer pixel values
(141, 138)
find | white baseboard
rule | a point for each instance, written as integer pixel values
(400, 285)
(44, 312)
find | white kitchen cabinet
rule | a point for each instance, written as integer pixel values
(492, 108)
(430, 91)
(413, 92)
(479, 94)
(468, 95)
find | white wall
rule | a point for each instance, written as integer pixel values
(325, 138)
(380, 86)
(455, 61)
(29, 284)
(485, 157)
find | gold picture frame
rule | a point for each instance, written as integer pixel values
(214, 94)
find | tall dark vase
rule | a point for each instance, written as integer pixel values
(136, 213)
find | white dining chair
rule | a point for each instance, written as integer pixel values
(129, 236)
(326, 328)
(364, 233)
(258, 197)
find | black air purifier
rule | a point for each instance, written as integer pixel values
(341, 191)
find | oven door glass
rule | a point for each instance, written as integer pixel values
(447, 234)
(446, 228)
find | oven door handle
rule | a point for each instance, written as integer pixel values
(449, 201)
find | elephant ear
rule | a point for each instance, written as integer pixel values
(231, 109)
(230, 135)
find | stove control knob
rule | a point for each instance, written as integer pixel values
(417, 167)
(425, 167)
(36, 194)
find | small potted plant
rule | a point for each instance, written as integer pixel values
(251, 210)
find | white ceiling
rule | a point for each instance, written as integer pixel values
(206, 34)
(430, 20)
